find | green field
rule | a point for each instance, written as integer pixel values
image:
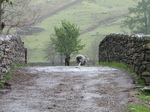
(96, 19)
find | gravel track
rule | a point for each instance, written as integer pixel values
(69, 89)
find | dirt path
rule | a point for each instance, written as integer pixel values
(69, 89)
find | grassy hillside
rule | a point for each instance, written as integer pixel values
(47, 6)
(96, 19)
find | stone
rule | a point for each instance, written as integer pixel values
(146, 73)
(1, 42)
(141, 58)
(7, 49)
(147, 46)
(148, 67)
(4, 70)
(131, 51)
(136, 62)
(147, 57)
(4, 91)
(147, 79)
(142, 68)
(145, 62)
(1, 48)
(146, 89)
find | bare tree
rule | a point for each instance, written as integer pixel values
(2, 24)
(50, 54)
(92, 52)
(138, 19)
(19, 14)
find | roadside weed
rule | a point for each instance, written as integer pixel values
(115, 64)
(138, 108)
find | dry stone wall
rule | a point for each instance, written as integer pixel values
(133, 50)
(11, 50)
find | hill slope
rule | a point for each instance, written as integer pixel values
(96, 19)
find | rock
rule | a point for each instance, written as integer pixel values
(148, 67)
(49, 108)
(146, 89)
(147, 57)
(4, 91)
(147, 46)
(146, 73)
(1, 41)
(7, 84)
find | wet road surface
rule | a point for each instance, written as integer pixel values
(70, 89)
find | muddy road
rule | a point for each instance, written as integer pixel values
(69, 89)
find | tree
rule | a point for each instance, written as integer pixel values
(18, 14)
(93, 50)
(66, 41)
(2, 25)
(50, 54)
(138, 20)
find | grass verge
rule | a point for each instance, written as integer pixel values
(144, 95)
(2, 84)
(140, 81)
(144, 107)
(118, 65)
(6, 77)
(9, 74)
(138, 108)
(15, 65)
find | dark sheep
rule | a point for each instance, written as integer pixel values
(67, 60)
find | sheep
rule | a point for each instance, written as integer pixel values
(81, 59)
(67, 60)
